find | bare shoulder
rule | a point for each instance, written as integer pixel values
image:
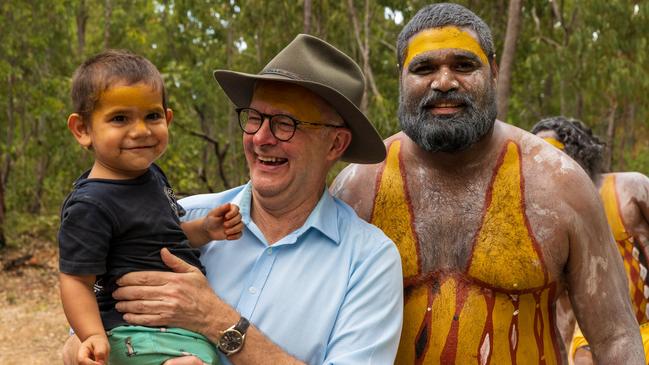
(552, 178)
(630, 179)
(632, 187)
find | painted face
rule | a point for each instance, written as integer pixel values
(128, 131)
(447, 93)
(296, 167)
(552, 138)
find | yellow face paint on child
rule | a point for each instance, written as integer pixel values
(293, 100)
(140, 96)
(443, 38)
(555, 142)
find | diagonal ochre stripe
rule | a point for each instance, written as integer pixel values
(393, 213)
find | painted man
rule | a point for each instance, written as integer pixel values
(626, 202)
(492, 223)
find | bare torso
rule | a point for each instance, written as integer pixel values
(485, 245)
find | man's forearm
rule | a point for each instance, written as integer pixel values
(259, 350)
(626, 349)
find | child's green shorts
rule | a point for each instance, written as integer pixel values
(130, 345)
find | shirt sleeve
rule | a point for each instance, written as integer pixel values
(368, 326)
(84, 239)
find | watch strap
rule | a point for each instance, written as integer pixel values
(242, 325)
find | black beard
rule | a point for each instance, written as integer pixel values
(452, 133)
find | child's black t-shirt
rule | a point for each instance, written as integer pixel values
(113, 227)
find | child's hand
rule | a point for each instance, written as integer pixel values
(223, 222)
(94, 350)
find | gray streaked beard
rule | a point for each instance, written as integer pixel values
(447, 134)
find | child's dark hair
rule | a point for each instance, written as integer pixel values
(111, 66)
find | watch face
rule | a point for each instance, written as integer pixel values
(231, 341)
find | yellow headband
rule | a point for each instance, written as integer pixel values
(443, 38)
(555, 142)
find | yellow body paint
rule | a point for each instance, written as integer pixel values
(555, 142)
(392, 212)
(633, 257)
(293, 100)
(502, 316)
(141, 96)
(515, 264)
(443, 38)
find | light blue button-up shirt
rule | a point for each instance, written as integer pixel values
(330, 292)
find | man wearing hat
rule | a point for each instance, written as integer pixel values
(308, 281)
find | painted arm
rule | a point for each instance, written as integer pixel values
(640, 185)
(598, 285)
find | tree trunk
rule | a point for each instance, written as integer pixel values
(108, 12)
(5, 164)
(610, 135)
(82, 19)
(41, 168)
(507, 60)
(362, 39)
(307, 16)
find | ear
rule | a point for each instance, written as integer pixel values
(80, 130)
(494, 71)
(341, 141)
(169, 115)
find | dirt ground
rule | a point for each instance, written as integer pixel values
(32, 324)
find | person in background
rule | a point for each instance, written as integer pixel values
(626, 202)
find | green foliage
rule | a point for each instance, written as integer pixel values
(581, 59)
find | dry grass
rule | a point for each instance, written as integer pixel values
(32, 324)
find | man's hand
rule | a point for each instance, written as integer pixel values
(182, 298)
(223, 222)
(94, 350)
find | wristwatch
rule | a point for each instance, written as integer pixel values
(232, 339)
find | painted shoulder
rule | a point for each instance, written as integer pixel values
(356, 183)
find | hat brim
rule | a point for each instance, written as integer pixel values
(366, 146)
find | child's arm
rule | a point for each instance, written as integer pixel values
(222, 222)
(80, 306)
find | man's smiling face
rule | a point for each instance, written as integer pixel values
(297, 166)
(447, 90)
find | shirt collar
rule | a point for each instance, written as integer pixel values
(323, 217)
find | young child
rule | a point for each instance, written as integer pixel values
(122, 212)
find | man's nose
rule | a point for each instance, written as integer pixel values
(264, 135)
(444, 81)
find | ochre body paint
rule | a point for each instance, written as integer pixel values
(140, 95)
(443, 38)
(634, 258)
(555, 142)
(293, 100)
(498, 311)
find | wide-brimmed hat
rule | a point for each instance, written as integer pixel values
(318, 66)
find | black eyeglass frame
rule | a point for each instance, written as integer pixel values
(296, 123)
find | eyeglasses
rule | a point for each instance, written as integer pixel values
(281, 126)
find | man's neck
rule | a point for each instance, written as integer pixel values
(278, 216)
